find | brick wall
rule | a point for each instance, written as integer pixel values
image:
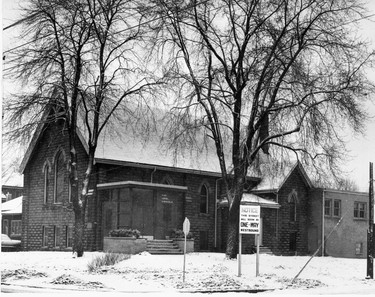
(294, 183)
(36, 213)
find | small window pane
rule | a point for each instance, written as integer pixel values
(337, 208)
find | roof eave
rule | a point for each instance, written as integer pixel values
(165, 168)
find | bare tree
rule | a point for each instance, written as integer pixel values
(347, 184)
(83, 60)
(264, 78)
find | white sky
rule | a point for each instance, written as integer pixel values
(361, 148)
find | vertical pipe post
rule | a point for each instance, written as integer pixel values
(370, 234)
(323, 240)
(239, 254)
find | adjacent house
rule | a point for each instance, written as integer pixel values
(340, 220)
(139, 184)
(10, 192)
(11, 218)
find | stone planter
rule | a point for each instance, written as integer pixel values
(181, 242)
(126, 245)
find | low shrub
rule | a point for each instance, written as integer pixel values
(108, 259)
(125, 233)
(177, 233)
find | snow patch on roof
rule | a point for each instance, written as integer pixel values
(13, 206)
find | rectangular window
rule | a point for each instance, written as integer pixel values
(360, 210)
(327, 207)
(359, 248)
(44, 236)
(336, 208)
(68, 236)
(15, 227)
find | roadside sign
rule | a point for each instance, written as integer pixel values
(249, 219)
(186, 226)
(249, 224)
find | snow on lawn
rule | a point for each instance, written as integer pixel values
(204, 271)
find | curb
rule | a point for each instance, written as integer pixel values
(8, 288)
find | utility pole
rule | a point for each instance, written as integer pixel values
(370, 233)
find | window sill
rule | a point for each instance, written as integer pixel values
(360, 219)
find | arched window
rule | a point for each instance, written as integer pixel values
(292, 200)
(46, 171)
(204, 199)
(59, 177)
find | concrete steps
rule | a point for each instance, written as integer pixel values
(163, 247)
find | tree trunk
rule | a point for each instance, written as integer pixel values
(79, 231)
(80, 207)
(232, 237)
(233, 221)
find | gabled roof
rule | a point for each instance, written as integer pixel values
(120, 144)
(274, 182)
(13, 206)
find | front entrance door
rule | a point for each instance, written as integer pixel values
(143, 211)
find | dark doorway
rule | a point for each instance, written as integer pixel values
(203, 240)
(293, 241)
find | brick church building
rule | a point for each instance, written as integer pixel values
(142, 186)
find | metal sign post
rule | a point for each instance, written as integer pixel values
(249, 224)
(257, 258)
(370, 233)
(186, 229)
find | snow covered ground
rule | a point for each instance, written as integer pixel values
(204, 272)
